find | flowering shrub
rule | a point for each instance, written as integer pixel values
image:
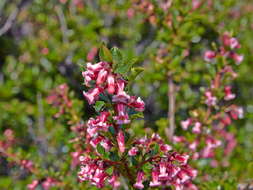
(194, 130)
(210, 124)
(111, 151)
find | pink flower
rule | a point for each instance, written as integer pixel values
(165, 148)
(193, 145)
(130, 13)
(178, 139)
(181, 158)
(155, 179)
(114, 181)
(121, 96)
(230, 42)
(186, 123)
(137, 104)
(209, 55)
(236, 57)
(228, 94)
(237, 113)
(196, 4)
(140, 178)
(121, 141)
(183, 176)
(92, 53)
(122, 116)
(111, 84)
(102, 76)
(27, 164)
(106, 143)
(95, 68)
(49, 182)
(33, 185)
(197, 128)
(163, 172)
(92, 95)
(133, 151)
(96, 140)
(88, 77)
(226, 120)
(234, 43)
(210, 99)
(99, 178)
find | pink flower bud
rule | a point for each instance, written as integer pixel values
(181, 158)
(165, 147)
(226, 120)
(102, 75)
(163, 172)
(186, 123)
(197, 128)
(96, 67)
(155, 179)
(209, 55)
(138, 104)
(196, 4)
(234, 43)
(92, 53)
(237, 58)
(139, 181)
(33, 185)
(114, 181)
(92, 95)
(111, 84)
(121, 141)
(228, 94)
(122, 116)
(133, 151)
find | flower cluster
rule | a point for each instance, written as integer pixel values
(107, 140)
(210, 129)
(103, 78)
(59, 98)
(227, 50)
(46, 184)
(167, 168)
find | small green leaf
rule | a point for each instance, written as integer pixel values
(112, 130)
(133, 161)
(99, 105)
(114, 156)
(137, 116)
(105, 54)
(100, 149)
(147, 167)
(117, 57)
(109, 170)
(135, 72)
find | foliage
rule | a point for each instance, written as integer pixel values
(162, 45)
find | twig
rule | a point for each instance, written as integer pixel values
(12, 17)
(7, 25)
(63, 24)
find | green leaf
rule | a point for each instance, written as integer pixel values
(117, 57)
(137, 115)
(135, 72)
(114, 156)
(147, 167)
(105, 54)
(112, 130)
(133, 161)
(100, 149)
(109, 170)
(99, 105)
